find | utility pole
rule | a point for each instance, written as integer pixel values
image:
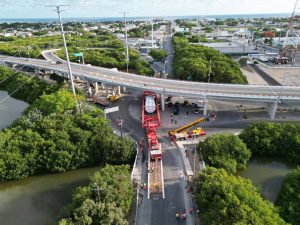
(58, 10)
(209, 72)
(126, 41)
(152, 38)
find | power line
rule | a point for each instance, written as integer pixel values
(12, 74)
(10, 95)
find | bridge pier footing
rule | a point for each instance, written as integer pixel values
(272, 108)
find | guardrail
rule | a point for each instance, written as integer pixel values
(188, 89)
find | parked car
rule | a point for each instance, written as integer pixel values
(196, 111)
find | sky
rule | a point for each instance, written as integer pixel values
(113, 8)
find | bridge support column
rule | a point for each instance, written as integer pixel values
(119, 90)
(102, 85)
(88, 86)
(162, 102)
(205, 106)
(106, 90)
(124, 89)
(272, 108)
(96, 87)
(113, 91)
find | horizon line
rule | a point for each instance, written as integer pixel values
(111, 17)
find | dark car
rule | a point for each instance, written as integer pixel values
(58, 62)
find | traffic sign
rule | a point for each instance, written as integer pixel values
(78, 54)
(110, 110)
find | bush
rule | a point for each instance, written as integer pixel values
(32, 89)
(273, 139)
(288, 200)
(106, 200)
(192, 62)
(243, 61)
(50, 138)
(225, 151)
(158, 54)
(227, 199)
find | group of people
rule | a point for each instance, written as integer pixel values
(173, 120)
(182, 215)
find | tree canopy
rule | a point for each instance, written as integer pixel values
(106, 200)
(100, 49)
(288, 200)
(273, 139)
(49, 138)
(192, 62)
(227, 199)
(225, 151)
(158, 54)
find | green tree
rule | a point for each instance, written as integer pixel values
(225, 151)
(227, 199)
(106, 200)
(273, 139)
(288, 200)
(195, 61)
(158, 54)
(57, 102)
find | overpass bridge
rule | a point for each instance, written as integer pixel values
(270, 95)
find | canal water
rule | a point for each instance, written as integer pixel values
(10, 109)
(39, 200)
(268, 174)
(36, 200)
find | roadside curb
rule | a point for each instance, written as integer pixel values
(187, 166)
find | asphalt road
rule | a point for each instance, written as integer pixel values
(168, 86)
(154, 212)
(168, 46)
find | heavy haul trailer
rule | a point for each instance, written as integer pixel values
(151, 121)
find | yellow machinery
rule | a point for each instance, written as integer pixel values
(182, 136)
(114, 98)
(186, 127)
